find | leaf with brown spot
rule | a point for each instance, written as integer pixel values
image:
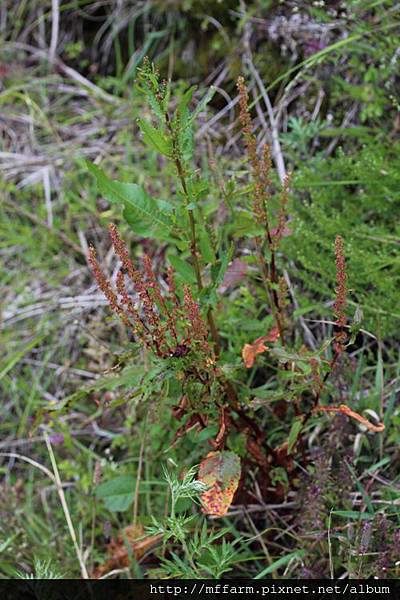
(354, 415)
(221, 472)
(250, 351)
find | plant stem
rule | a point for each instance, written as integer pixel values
(268, 277)
(192, 223)
(188, 554)
(317, 397)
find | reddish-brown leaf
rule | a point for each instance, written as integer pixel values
(256, 451)
(179, 409)
(118, 550)
(342, 408)
(250, 351)
(195, 420)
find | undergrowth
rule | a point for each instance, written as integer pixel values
(207, 388)
(234, 340)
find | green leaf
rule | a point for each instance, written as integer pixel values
(145, 216)
(286, 356)
(379, 377)
(154, 138)
(203, 103)
(152, 100)
(186, 99)
(196, 188)
(4, 545)
(378, 465)
(209, 294)
(206, 433)
(186, 141)
(205, 246)
(16, 356)
(390, 408)
(117, 493)
(245, 225)
(184, 125)
(294, 433)
(183, 268)
(352, 514)
(281, 562)
(225, 260)
(357, 132)
(366, 497)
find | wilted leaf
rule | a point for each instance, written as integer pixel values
(221, 472)
(179, 409)
(131, 542)
(250, 351)
(354, 415)
(195, 420)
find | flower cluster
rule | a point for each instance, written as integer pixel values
(261, 175)
(165, 323)
(340, 304)
(261, 168)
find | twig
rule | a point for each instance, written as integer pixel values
(32, 462)
(258, 536)
(64, 505)
(276, 146)
(330, 546)
(307, 332)
(68, 71)
(55, 25)
(47, 197)
(346, 121)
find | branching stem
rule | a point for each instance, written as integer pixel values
(192, 223)
(269, 276)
